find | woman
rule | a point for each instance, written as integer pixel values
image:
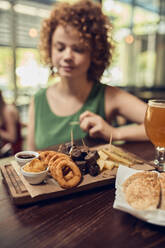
(75, 42)
(10, 127)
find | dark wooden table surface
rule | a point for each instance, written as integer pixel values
(82, 220)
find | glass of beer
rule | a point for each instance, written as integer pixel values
(155, 129)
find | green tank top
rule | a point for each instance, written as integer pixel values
(51, 129)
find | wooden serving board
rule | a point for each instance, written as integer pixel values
(18, 187)
(20, 195)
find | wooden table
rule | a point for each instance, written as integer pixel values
(82, 220)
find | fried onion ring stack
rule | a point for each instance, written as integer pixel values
(55, 159)
(45, 157)
(64, 171)
(64, 181)
(62, 168)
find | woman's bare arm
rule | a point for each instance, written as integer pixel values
(10, 118)
(124, 104)
(132, 109)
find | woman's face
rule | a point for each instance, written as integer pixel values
(69, 56)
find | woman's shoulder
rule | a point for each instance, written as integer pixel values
(118, 97)
(10, 110)
(115, 97)
(114, 91)
(40, 92)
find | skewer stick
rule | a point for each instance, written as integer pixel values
(74, 123)
(84, 143)
(110, 140)
(59, 148)
(85, 146)
(71, 137)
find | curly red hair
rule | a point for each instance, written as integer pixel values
(94, 28)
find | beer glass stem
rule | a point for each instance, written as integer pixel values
(160, 158)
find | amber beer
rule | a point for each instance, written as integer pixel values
(155, 122)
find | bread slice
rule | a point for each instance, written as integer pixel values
(142, 190)
(162, 183)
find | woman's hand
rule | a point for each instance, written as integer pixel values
(96, 126)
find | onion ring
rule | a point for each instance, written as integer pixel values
(45, 157)
(56, 159)
(57, 173)
(68, 176)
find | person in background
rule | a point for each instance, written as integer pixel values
(76, 44)
(10, 128)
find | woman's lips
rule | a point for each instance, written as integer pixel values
(67, 68)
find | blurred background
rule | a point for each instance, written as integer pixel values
(138, 64)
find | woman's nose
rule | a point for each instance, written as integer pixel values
(68, 53)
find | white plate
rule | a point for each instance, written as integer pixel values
(156, 216)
